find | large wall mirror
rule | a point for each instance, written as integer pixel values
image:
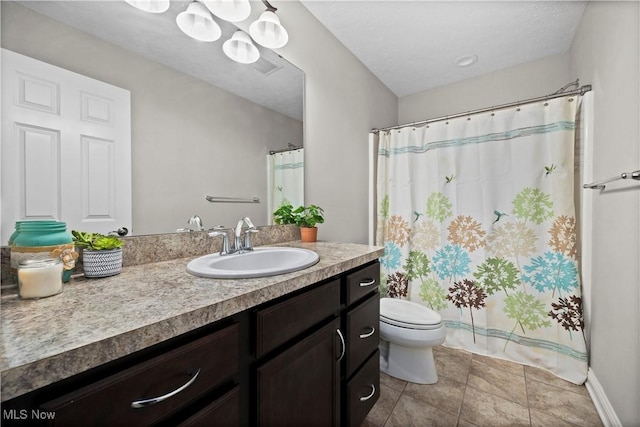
(201, 124)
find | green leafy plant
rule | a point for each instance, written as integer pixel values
(95, 241)
(302, 216)
(284, 214)
(309, 216)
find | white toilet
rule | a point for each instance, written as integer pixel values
(408, 332)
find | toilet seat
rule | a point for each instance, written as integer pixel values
(407, 314)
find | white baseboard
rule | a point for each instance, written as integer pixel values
(601, 402)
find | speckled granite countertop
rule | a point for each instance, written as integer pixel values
(96, 321)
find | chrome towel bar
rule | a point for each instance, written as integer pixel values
(217, 199)
(600, 185)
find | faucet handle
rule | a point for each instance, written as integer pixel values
(226, 249)
(247, 238)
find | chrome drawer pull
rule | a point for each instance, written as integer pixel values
(373, 331)
(148, 402)
(373, 391)
(343, 345)
(369, 283)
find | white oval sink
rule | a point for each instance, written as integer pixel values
(261, 262)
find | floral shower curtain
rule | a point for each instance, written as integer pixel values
(477, 218)
(286, 178)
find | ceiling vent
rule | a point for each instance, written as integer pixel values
(265, 66)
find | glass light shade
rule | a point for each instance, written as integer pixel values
(240, 48)
(268, 32)
(229, 10)
(196, 22)
(153, 6)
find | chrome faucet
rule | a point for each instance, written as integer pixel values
(245, 246)
(195, 220)
(239, 246)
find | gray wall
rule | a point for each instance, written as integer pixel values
(189, 139)
(343, 102)
(605, 52)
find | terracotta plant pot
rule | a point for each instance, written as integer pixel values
(309, 234)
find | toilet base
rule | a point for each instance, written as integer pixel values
(411, 364)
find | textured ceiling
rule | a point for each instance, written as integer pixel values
(412, 46)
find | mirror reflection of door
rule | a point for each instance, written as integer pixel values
(66, 148)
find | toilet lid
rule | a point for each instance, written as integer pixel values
(396, 311)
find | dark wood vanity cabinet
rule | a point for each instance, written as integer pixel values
(301, 385)
(361, 379)
(186, 380)
(225, 410)
(278, 323)
(151, 390)
(328, 372)
(298, 353)
(309, 358)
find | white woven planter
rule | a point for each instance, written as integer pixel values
(102, 263)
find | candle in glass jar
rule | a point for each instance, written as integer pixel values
(39, 278)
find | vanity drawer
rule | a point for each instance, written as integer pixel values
(363, 281)
(285, 320)
(191, 369)
(363, 334)
(363, 391)
(225, 411)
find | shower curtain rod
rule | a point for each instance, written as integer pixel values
(291, 148)
(582, 90)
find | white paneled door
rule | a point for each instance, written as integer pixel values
(66, 148)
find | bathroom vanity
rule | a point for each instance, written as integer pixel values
(157, 346)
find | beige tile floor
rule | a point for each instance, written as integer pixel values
(475, 390)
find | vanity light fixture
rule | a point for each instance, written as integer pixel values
(240, 48)
(229, 10)
(268, 32)
(152, 6)
(197, 23)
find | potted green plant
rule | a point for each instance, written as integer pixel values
(101, 255)
(284, 215)
(306, 217)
